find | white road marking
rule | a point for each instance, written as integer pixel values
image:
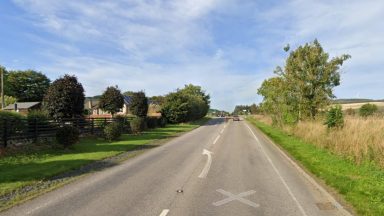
(239, 197)
(222, 130)
(310, 179)
(207, 166)
(164, 212)
(278, 174)
(217, 138)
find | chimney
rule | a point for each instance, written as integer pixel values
(90, 103)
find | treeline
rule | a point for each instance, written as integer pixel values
(246, 109)
(304, 86)
(24, 85)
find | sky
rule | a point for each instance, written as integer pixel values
(226, 46)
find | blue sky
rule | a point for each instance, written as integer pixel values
(228, 47)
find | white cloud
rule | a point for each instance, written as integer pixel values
(161, 45)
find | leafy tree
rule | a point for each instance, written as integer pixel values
(139, 104)
(276, 100)
(64, 98)
(189, 103)
(27, 86)
(254, 109)
(310, 77)
(335, 117)
(8, 100)
(111, 100)
(367, 110)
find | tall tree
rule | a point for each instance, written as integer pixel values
(139, 104)
(111, 100)
(27, 86)
(310, 77)
(65, 98)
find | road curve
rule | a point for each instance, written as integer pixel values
(222, 168)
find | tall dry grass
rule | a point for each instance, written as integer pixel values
(360, 139)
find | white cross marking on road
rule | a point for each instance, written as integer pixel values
(238, 197)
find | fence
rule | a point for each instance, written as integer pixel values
(18, 130)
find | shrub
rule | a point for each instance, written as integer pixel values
(138, 125)
(162, 121)
(67, 135)
(350, 111)
(124, 123)
(335, 117)
(15, 121)
(37, 118)
(112, 131)
(152, 122)
(367, 109)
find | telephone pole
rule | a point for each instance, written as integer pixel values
(2, 88)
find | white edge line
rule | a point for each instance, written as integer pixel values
(278, 173)
(308, 177)
(164, 212)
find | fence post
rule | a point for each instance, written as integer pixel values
(35, 130)
(5, 135)
(92, 125)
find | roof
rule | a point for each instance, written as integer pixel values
(21, 105)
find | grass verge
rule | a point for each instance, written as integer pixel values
(29, 168)
(361, 185)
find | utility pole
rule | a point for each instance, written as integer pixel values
(2, 88)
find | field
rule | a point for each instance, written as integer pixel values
(360, 140)
(345, 106)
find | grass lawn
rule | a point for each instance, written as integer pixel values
(361, 185)
(29, 168)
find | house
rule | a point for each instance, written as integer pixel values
(92, 107)
(23, 107)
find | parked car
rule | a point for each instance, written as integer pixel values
(236, 118)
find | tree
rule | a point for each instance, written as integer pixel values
(189, 103)
(64, 98)
(275, 100)
(8, 100)
(27, 86)
(310, 77)
(254, 109)
(111, 100)
(139, 104)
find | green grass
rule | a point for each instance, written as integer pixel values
(361, 185)
(19, 170)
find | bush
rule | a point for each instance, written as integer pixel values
(350, 111)
(112, 131)
(15, 121)
(367, 110)
(162, 121)
(152, 122)
(67, 135)
(335, 117)
(124, 123)
(38, 117)
(138, 125)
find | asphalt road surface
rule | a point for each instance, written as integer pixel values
(222, 168)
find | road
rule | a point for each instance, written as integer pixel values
(222, 168)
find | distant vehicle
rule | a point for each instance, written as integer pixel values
(236, 118)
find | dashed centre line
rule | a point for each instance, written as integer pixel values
(164, 212)
(217, 138)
